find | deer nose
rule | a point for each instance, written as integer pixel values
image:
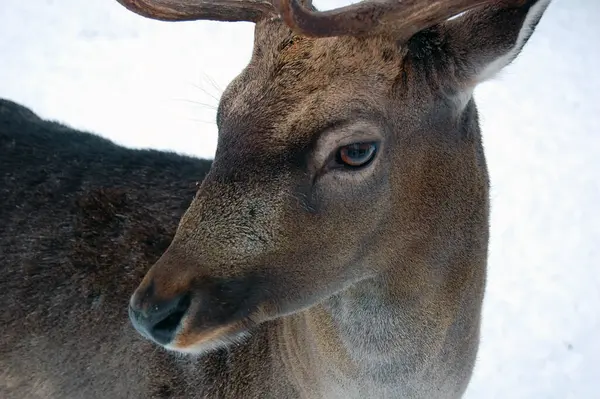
(158, 320)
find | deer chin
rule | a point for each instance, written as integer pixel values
(197, 335)
(196, 341)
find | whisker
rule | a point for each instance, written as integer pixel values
(202, 104)
(202, 89)
(202, 121)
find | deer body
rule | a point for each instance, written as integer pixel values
(336, 247)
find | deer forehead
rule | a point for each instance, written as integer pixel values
(296, 86)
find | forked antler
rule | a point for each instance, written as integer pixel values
(365, 18)
(371, 17)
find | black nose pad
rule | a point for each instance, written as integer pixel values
(161, 320)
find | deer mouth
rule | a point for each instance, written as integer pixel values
(209, 313)
(217, 314)
(199, 331)
(195, 341)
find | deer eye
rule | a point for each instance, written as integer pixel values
(356, 155)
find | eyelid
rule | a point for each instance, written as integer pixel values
(365, 131)
(342, 134)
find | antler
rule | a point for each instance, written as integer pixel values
(190, 10)
(371, 17)
(365, 18)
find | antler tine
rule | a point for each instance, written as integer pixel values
(190, 10)
(405, 17)
(371, 17)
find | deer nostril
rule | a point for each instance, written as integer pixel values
(164, 330)
(160, 322)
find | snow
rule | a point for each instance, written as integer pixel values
(95, 66)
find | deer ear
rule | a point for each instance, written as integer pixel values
(474, 46)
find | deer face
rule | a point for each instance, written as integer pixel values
(339, 158)
(300, 190)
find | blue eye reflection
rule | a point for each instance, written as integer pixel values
(356, 155)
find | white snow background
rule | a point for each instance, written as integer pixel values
(95, 66)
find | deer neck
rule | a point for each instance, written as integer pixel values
(376, 338)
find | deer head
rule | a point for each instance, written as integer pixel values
(349, 149)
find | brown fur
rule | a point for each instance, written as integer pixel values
(303, 280)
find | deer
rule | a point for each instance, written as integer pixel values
(335, 247)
